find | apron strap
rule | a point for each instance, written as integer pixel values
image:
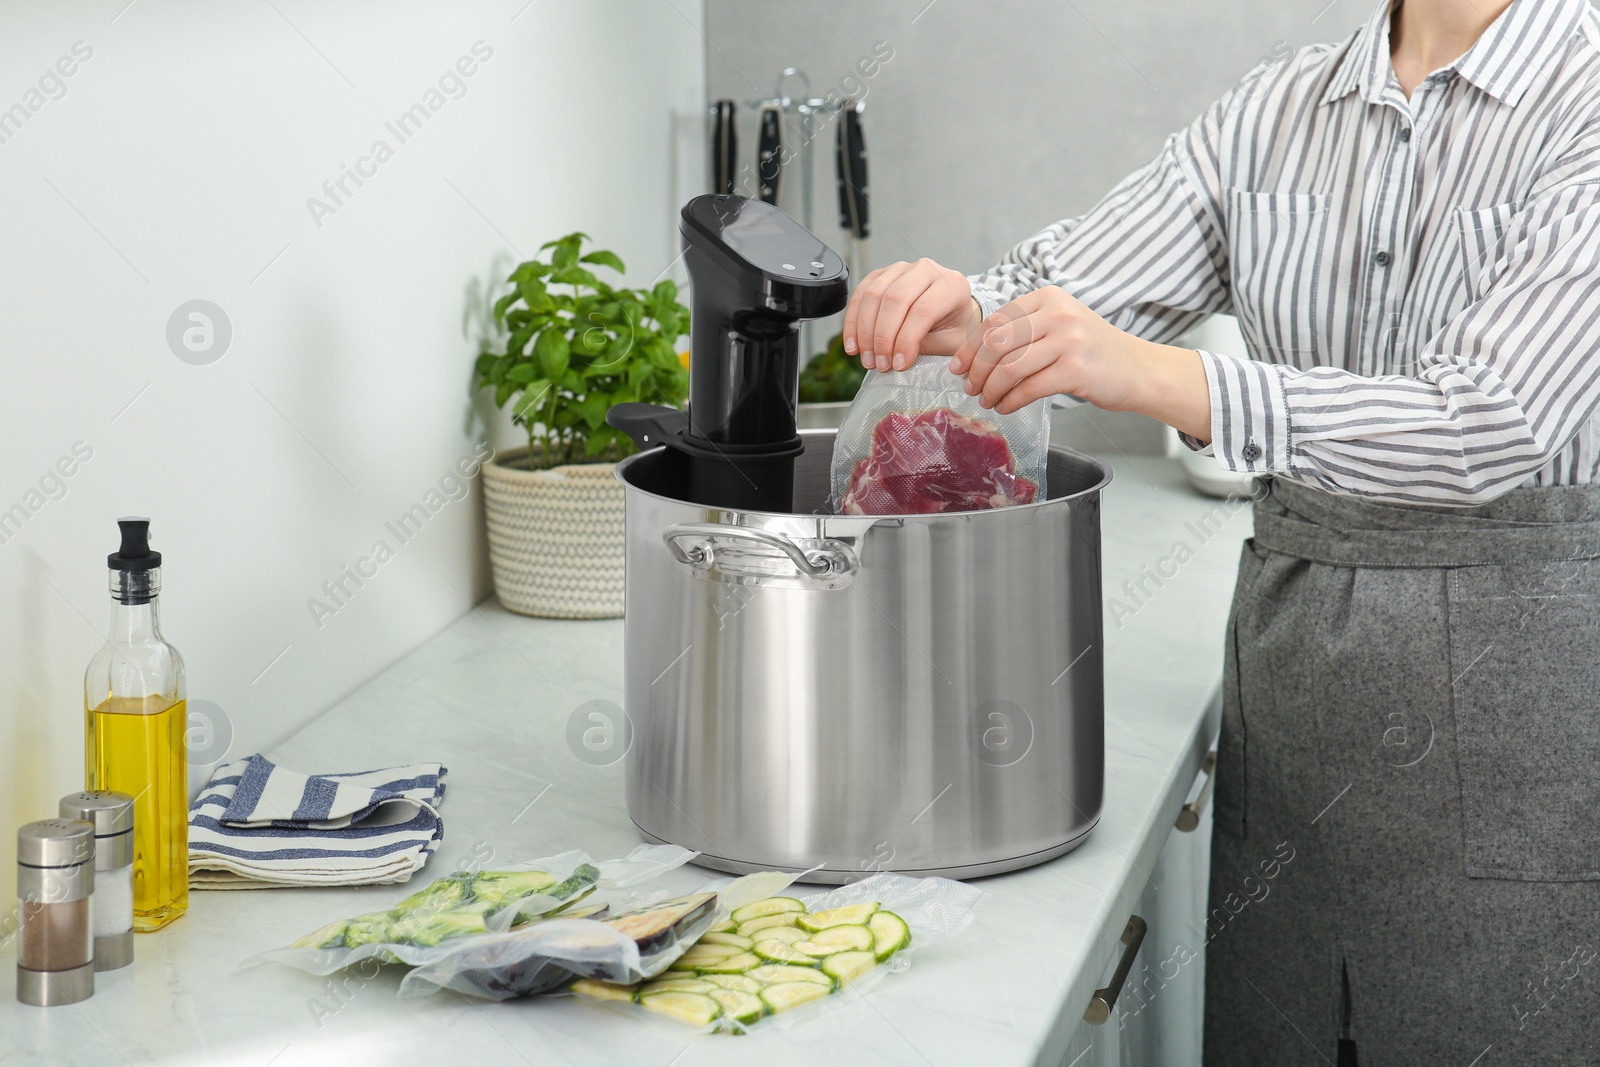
(1525, 526)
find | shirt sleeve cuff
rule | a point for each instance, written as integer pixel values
(1250, 431)
(988, 300)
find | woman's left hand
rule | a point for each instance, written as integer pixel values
(1047, 342)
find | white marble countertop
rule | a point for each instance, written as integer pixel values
(490, 697)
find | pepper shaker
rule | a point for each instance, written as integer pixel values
(55, 884)
(111, 815)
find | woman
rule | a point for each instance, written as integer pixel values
(1408, 227)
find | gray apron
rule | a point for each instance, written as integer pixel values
(1407, 841)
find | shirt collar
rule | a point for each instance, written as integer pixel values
(1511, 55)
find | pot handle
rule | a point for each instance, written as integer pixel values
(830, 559)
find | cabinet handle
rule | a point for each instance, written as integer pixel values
(1189, 814)
(1100, 1005)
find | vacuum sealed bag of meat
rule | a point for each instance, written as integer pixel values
(914, 443)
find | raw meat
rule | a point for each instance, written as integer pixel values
(935, 461)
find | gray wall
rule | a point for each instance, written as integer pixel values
(993, 119)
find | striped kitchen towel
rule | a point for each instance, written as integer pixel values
(257, 825)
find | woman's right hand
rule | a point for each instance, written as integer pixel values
(906, 310)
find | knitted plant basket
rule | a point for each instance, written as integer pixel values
(555, 537)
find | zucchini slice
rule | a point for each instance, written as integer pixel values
(848, 966)
(739, 983)
(783, 952)
(787, 934)
(598, 990)
(726, 926)
(779, 973)
(849, 915)
(739, 964)
(769, 906)
(744, 1008)
(710, 952)
(767, 922)
(679, 985)
(890, 934)
(743, 944)
(786, 996)
(696, 1009)
(836, 939)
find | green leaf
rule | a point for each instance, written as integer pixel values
(590, 341)
(573, 276)
(552, 351)
(522, 373)
(503, 393)
(517, 343)
(665, 291)
(502, 365)
(502, 304)
(534, 397)
(599, 441)
(576, 237)
(605, 259)
(593, 408)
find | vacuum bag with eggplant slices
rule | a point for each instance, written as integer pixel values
(460, 907)
(914, 443)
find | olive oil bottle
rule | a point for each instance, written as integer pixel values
(135, 718)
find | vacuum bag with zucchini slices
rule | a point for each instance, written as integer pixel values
(795, 955)
(467, 904)
(914, 443)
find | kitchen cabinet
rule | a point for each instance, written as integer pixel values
(1160, 1009)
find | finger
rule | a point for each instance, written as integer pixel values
(1003, 334)
(870, 296)
(891, 340)
(937, 302)
(852, 314)
(1032, 388)
(1018, 365)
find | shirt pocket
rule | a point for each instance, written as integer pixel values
(1481, 231)
(1281, 265)
(1525, 656)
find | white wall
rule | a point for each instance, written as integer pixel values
(177, 165)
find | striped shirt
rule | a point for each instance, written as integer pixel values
(1417, 281)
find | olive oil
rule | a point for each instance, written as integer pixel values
(136, 746)
(134, 699)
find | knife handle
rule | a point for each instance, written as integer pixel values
(850, 165)
(769, 153)
(724, 147)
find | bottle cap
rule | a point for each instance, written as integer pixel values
(135, 554)
(55, 843)
(109, 813)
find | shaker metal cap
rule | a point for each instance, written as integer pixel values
(55, 843)
(108, 812)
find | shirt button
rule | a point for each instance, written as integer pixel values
(1251, 452)
(1405, 133)
(1382, 259)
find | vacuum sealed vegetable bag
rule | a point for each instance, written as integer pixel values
(914, 443)
(630, 943)
(793, 955)
(460, 907)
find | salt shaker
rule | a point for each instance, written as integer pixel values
(111, 815)
(55, 884)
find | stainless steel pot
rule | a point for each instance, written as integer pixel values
(918, 693)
